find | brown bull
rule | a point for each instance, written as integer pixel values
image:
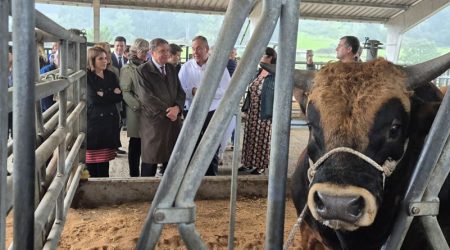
(367, 122)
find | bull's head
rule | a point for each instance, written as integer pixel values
(358, 116)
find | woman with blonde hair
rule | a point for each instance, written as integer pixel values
(128, 82)
(103, 92)
(107, 48)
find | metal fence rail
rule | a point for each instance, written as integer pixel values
(37, 136)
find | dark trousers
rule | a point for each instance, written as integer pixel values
(134, 156)
(149, 169)
(47, 102)
(10, 124)
(213, 168)
(98, 169)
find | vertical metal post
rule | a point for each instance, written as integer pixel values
(82, 98)
(63, 56)
(23, 110)
(4, 14)
(234, 177)
(279, 149)
(76, 95)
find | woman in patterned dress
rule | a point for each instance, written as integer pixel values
(257, 128)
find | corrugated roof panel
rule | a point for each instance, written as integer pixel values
(358, 10)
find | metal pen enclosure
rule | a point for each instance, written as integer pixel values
(42, 193)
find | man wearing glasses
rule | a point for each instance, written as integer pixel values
(162, 100)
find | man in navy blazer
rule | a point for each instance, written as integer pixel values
(118, 59)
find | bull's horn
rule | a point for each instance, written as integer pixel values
(423, 73)
(303, 79)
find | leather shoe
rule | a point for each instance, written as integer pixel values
(121, 152)
(257, 171)
(245, 169)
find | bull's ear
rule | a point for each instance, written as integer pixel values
(301, 97)
(303, 79)
(422, 116)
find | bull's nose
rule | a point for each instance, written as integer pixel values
(334, 207)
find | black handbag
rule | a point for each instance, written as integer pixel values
(246, 105)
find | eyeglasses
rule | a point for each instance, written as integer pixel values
(162, 52)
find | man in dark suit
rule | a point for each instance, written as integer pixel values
(162, 99)
(118, 59)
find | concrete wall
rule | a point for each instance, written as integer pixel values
(113, 191)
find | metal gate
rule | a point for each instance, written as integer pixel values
(41, 186)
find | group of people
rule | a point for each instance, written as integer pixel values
(157, 92)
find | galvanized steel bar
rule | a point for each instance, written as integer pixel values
(440, 174)
(234, 177)
(4, 70)
(434, 233)
(82, 122)
(48, 202)
(37, 106)
(44, 151)
(57, 229)
(281, 124)
(43, 90)
(51, 27)
(64, 49)
(428, 158)
(167, 190)
(23, 18)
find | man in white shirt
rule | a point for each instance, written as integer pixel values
(347, 49)
(190, 75)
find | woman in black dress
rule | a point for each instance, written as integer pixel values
(103, 92)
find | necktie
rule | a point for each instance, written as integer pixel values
(120, 62)
(163, 71)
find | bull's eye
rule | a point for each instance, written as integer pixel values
(394, 131)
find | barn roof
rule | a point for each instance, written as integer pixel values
(378, 11)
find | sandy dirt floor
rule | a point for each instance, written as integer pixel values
(119, 226)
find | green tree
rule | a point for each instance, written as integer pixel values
(416, 50)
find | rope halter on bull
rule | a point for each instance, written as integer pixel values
(387, 168)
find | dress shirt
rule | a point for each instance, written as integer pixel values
(158, 66)
(121, 59)
(191, 75)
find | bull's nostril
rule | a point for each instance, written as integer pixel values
(318, 199)
(356, 206)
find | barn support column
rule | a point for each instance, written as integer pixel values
(96, 8)
(393, 43)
